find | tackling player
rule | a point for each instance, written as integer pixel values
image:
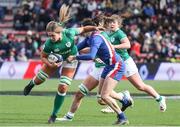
(100, 46)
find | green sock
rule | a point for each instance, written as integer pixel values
(32, 82)
(58, 101)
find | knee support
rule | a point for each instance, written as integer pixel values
(65, 80)
(42, 75)
(83, 89)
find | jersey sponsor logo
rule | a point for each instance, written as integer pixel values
(56, 50)
(68, 44)
(66, 52)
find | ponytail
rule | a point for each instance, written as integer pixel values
(64, 16)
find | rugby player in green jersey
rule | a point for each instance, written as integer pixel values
(121, 44)
(60, 41)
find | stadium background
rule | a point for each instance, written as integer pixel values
(152, 26)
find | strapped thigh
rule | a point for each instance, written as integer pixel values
(83, 89)
(65, 80)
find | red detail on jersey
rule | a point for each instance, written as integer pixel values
(33, 68)
(116, 70)
(124, 78)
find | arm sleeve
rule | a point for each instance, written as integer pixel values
(82, 44)
(72, 31)
(121, 35)
(46, 47)
(95, 44)
(89, 56)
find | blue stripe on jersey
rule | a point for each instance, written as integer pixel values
(110, 49)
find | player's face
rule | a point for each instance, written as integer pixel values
(113, 25)
(54, 36)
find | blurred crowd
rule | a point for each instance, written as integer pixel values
(153, 26)
(15, 49)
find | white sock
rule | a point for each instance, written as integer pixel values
(158, 97)
(121, 94)
(70, 114)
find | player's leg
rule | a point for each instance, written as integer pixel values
(140, 85)
(108, 86)
(123, 97)
(40, 77)
(88, 84)
(67, 73)
(135, 79)
(112, 75)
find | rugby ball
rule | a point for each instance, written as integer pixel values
(55, 58)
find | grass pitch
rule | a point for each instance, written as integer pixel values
(17, 110)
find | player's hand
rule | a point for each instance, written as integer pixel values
(71, 58)
(55, 65)
(58, 64)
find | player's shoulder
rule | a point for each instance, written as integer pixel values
(120, 31)
(70, 30)
(48, 41)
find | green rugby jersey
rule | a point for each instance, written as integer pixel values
(64, 47)
(115, 38)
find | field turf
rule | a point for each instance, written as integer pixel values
(18, 110)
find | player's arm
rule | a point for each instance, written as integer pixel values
(89, 56)
(89, 29)
(124, 44)
(44, 57)
(82, 44)
(95, 43)
(85, 50)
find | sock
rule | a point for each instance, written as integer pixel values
(70, 115)
(121, 95)
(124, 101)
(121, 116)
(32, 83)
(158, 99)
(58, 101)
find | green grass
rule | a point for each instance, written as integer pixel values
(163, 87)
(35, 110)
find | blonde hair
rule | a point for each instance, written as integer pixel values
(118, 18)
(64, 16)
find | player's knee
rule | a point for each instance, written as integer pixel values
(83, 89)
(41, 77)
(65, 80)
(62, 88)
